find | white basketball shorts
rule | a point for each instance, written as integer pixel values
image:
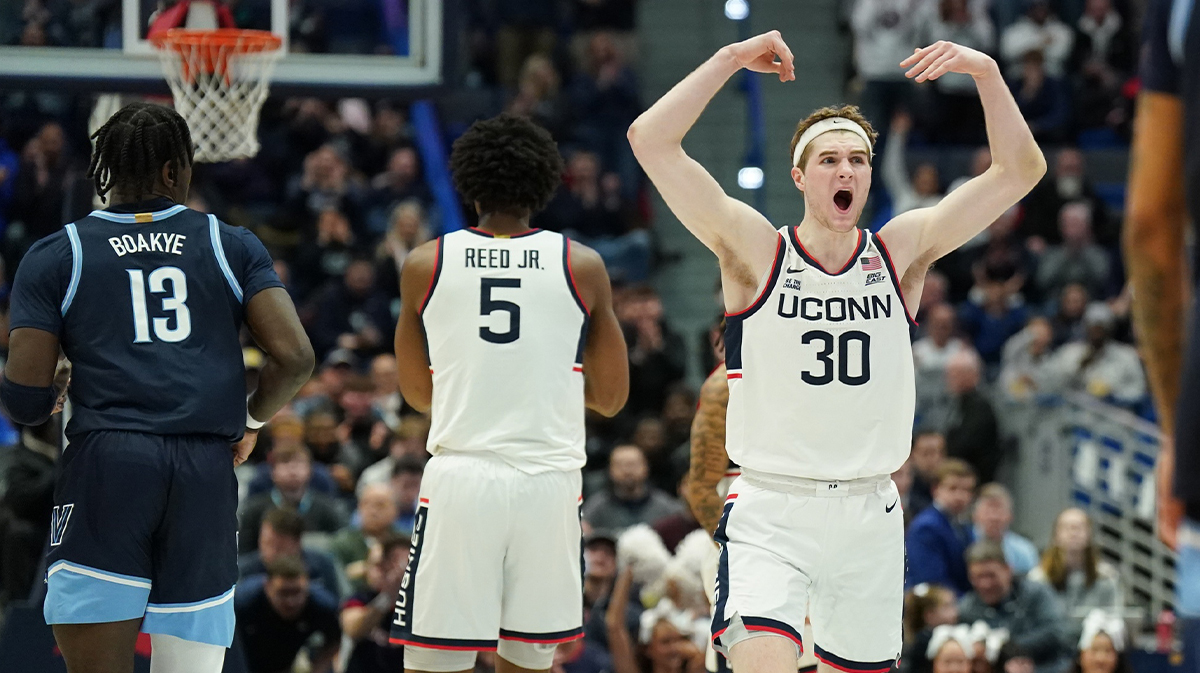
(496, 555)
(833, 549)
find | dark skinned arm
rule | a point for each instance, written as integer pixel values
(412, 359)
(32, 357)
(605, 357)
(709, 458)
(1156, 215)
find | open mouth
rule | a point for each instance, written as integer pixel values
(842, 200)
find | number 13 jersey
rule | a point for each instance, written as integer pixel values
(505, 328)
(820, 368)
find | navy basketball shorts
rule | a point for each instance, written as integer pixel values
(834, 550)
(145, 526)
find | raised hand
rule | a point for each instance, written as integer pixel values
(758, 54)
(942, 57)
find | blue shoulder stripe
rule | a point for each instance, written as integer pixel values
(76, 266)
(214, 233)
(1181, 14)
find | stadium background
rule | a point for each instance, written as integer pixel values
(352, 175)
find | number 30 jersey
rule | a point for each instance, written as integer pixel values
(820, 368)
(147, 301)
(505, 328)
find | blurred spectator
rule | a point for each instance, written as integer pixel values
(49, 190)
(1038, 31)
(389, 131)
(364, 434)
(926, 607)
(992, 517)
(1073, 569)
(629, 498)
(649, 435)
(387, 401)
(279, 537)
(664, 637)
(1102, 645)
(539, 97)
(590, 208)
(526, 27)
(972, 432)
(1026, 357)
(321, 260)
(1067, 320)
(599, 574)
(407, 229)
(921, 190)
(674, 527)
(400, 183)
(981, 160)
(1044, 99)
(279, 617)
(10, 165)
(352, 314)
(678, 411)
(377, 512)
(1077, 259)
(291, 468)
(406, 489)
(959, 112)
(367, 615)
(928, 454)
(322, 392)
(321, 480)
(994, 311)
(26, 500)
(1101, 367)
(1103, 40)
(1067, 183)
(1030, 611)
(884, 34)
(408, 444)
(604, 95)
(931, 354)
(937, 538)
(324, 185)
(656, 354)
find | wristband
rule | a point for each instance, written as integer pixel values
(251, 422)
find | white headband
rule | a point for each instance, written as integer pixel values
(1098, 621)
(967, 637)
(827, 125)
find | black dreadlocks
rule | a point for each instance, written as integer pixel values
(133, 145)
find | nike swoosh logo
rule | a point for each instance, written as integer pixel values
(888, 510)
(791, 270)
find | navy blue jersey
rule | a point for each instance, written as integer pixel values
(1171, 64)
(147, 301)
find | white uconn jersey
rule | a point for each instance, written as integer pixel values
(505, 329)
(820, 368)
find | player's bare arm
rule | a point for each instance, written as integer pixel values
(412, 360)
(32, 360)
(605, 357)
(272, 320)
(709, 459)
(920, 237)
(741, 237)
(1154, 247)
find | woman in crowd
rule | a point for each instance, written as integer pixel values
(662, 646)
(1072, 566)
(1102, 645)
(926, 607)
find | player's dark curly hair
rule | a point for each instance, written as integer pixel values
(133, 145)
(506, 164)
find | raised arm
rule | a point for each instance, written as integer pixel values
(412, 359)
(924, 235)
(709, 458)
(743, 240)
(605, 357)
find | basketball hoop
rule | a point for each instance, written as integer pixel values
(219, 80)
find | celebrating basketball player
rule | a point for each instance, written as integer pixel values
(505, 334)
(818, 358)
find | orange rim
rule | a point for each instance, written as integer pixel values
(208, 51)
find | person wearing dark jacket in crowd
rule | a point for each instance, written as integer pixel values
(1029, 610)
(928, 454)
(972, 433)
(937, 538)
(25, 509)
(656, 354)
(284, 613)
(353, 314)
(367, 615)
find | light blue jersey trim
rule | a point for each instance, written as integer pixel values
(77, 594)
(214, 233)
(1181, 12)
(76, 266)
(209, 621)
(131, 218)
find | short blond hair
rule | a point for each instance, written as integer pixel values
(850, 112)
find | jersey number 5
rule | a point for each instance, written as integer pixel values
(175, 303)
(488, 306)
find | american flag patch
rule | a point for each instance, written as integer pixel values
(872, 263)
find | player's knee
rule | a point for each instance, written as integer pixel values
(437, 661)
(530, 656)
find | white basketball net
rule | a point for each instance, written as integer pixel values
(219, 90)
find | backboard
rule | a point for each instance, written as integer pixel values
(342, 47)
